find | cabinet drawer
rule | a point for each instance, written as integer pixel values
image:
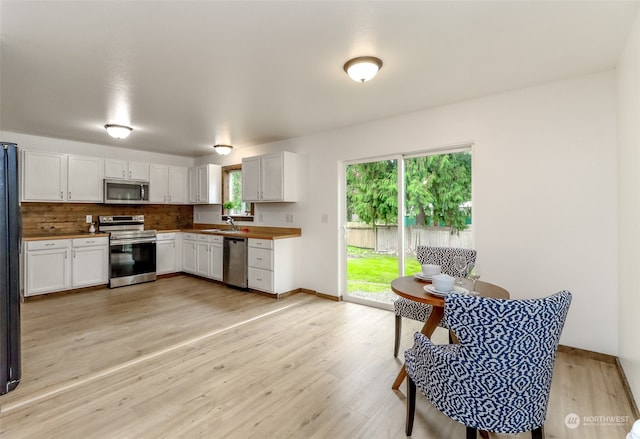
(165, 236)
(260, 258)
(189, 236)
(46, 245)
(217, 239)
(260, 279)
(90, 242)
(261, 243)
(203, 238)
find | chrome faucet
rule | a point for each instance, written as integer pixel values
(231, 223)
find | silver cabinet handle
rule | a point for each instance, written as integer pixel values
(61, 195)
(129, 174)
(259, 259)
(123, 173)
(165, 198)
(49, 244)
(169, 197)
(69, 194)
(74, 253)
(65, 254)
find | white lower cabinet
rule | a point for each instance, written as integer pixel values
(209, 256)
(273, 265)
(189, 251)
(169, 253)
(62, 264)
(90, 262)
(48, 266)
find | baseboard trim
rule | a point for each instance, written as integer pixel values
(606, 358)
(627, 389)
(321, 295)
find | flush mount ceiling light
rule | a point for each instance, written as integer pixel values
(118, 131)
(223, 149)
(363, 68)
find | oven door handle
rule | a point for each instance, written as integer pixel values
(131, 241)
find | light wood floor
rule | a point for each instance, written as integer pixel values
(188, 358)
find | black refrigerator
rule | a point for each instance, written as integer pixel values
(9, 269)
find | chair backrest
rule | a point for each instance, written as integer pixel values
(443, 256)
(509, 348)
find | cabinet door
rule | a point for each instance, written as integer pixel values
(203, 184)
(178, 184)
(189, 256)
(251, 179)
(84, 179)
(44, 176)
(47, 271)
(138, 171)
(216, 253)
(158, 183)
(193, 185)
(271, 177)
(115, 169)
(202, 259)
(90, 266)
(166, 257)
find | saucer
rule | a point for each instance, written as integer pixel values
(456, 289)
(422, 276)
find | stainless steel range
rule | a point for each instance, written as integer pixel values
(132, 250)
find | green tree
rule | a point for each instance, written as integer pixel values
(372, 192)
(437, 188)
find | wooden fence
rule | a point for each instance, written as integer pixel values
(384, 239)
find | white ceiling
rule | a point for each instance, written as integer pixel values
(187, 75)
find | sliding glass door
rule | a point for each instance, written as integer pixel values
(395, 204)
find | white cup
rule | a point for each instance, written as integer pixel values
(430, 270)
(443, 282)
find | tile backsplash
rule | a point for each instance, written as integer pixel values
(42, 218)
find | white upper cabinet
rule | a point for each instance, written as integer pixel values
(85, 180)
(61, 177)
(122, 169)
(44, 176)
(270, 177)
(168, 184)
(205, 184)
(178, 184)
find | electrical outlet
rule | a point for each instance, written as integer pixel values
(89, 219)
(324, 218)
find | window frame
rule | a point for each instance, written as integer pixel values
(226, 171)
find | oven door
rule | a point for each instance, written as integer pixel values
(131, 261)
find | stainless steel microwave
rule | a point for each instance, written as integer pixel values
(126, 192)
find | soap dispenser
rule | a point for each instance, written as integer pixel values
(92, 228)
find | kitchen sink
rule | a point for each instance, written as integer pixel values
(224, 232)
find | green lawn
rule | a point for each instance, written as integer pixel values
(371, 272)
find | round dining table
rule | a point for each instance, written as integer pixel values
(412, 288)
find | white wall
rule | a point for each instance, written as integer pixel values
(629, 207)
(37, 143)
(544, 182)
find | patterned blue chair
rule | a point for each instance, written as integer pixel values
(498, 377)
(442, 256)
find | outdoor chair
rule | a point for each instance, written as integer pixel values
(498, 377)
(442, 256)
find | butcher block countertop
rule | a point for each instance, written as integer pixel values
(63, 235)
(248, 232)
(243, 232)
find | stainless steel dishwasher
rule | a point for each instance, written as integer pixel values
(235, 262)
